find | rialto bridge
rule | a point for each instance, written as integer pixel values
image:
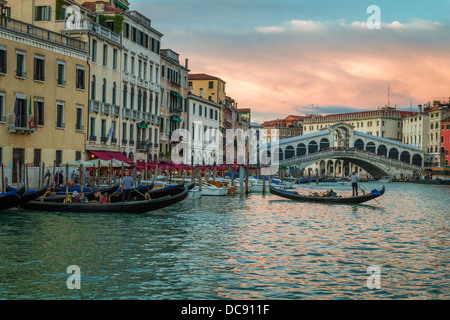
(336, 149)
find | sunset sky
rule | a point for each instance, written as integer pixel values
(281, 57)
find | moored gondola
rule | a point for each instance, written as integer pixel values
(30, 195)
(7, 199)
(139, 206)
(89, 195)
(293, 195)
(137, 192)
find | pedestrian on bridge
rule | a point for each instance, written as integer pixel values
(354, 179)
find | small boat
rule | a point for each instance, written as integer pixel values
(293, 195)
(89, 195)
(30, 195)
(8, 198)
(138, 206)
(195, 193)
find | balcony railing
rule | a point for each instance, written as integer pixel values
(94, 106)
(126, 113)
(106, 108)
(115, 110)
(90, 25)
(40, 33)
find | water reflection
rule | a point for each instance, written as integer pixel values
(258, 247)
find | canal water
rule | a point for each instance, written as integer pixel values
(256, 247)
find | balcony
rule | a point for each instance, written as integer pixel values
(124, 141)
(92, 138)
(92, 26)
(126, 113)
(115, 110)
(106, 108)
(94, 106)
(40, 33)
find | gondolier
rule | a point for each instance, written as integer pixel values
(127, 185)
(354, 179)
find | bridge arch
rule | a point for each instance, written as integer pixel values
(417, 160)
(278, 153)
(393, 153)
(301, 149)
(370, 146)
(312, 146)
(289, 152)
(382, 150)
(405, 157)
(359, 144)
(324, 144)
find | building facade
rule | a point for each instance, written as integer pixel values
(43, 98)
(445, 141)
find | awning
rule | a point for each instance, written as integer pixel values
(176, 94)
(143, 126)
(176, 119)
(108, 155)
(122, 5)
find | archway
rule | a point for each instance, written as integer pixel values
(393, 153)
(370, 147)
(312, 146)
(289, 152)
(359, 144)
(301, 149)
(417, 160)
(382, 150)
(324, 144)
(405, 157)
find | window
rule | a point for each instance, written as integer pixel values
(3, 60)
(2, 106)
(21, 118)
(199, 110)
(126, 30)
(42, 13)
(124, 133)
(92, 136)
(79, 118)
(61, 73)
(93, 88)
(80, 78)
(125, 62)
(60, 115)
(211, 113)
(77, 155)
(20, 64)
(103, 130)
(94, 50)
(211, 85)
(58, 158)
(37, 158)
(115, 59)
(114, 94)
(39, 111)
(125, 93)
(132, 65)
(105, 55)
(104, 91)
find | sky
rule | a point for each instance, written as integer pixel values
(282, 57)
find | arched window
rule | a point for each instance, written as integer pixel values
(93, 89)
(114, 94)
(417, 160)
(324, 144)
(104, 91)
(132, 98)
(405, 157)
(393, 153)
(370, 146)
(125, 96)
(382, 150)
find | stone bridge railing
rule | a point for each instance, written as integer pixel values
(350, 154)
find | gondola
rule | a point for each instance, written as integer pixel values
(135, 192)
(293, 195)
(30, 195)
(162, 192)
(139, 206)
(89, 195)
(7, 198)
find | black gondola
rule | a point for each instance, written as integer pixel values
(293, 195)
(89, 195)
(140, 206)
(8, 198)
(137, 192)
(30, 195)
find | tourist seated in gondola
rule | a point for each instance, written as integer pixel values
(104, 198)
(83, 198)
(331, 193)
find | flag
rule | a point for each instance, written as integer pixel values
(110, 133)
(16, 113)
(30, 118)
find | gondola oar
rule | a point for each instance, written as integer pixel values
(364, 192)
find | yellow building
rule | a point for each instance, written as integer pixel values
(43, 99)
(207, 87)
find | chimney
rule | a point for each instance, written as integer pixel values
(186, 63)
(420, 108)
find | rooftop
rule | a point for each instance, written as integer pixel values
(202, 76)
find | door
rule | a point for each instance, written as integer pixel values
(18, 161)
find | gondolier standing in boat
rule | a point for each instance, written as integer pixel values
(127, 184)
(354, 179)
